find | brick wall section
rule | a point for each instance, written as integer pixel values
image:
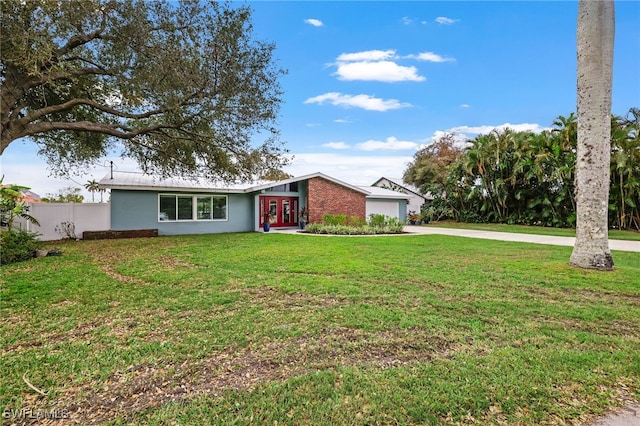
(326, 197)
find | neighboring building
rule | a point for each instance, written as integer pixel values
(416, 199)
(30, 197)
(178, 206)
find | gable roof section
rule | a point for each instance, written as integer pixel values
(307, 177)
(396, 181)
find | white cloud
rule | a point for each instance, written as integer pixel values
(385, 71)
(462, 134)
(367, 55)
(483, 130)
(431, 57)
(342, 121)
(314, 22)
(391, 144)
(353, 169)
(444, 20)
(374, 65)
(465, 106)
(336, 145)
(460, 140)
(357, 101)
(406, 20)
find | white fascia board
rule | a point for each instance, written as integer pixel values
(174, 189)
(306, 177)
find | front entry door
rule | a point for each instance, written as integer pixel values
(283, 210)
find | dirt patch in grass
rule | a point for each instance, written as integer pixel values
(80, 332)
(275, 298)
(614, 328)
(141, 387)
(613, 298)
(121, 328)
(108, 255)
(112, 273)
(354, 347)
(164, 263)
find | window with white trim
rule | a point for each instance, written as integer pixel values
(174, 207)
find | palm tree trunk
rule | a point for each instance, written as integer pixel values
(596, 28)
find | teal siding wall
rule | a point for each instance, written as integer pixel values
(303, 192)
(403, 210)
(133, 210)
(139, 210)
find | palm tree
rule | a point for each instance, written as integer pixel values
(595, 35)
(567, 127)
(92, 186)
(625, 171)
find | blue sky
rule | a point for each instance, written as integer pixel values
(370, 82)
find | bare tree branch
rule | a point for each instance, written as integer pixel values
(115, 130)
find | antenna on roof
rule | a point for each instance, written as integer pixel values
(111, 169)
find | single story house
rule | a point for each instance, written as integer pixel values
(180, 206)
(416, 198)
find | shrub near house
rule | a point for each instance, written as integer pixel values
(341, 225)
(15, 244)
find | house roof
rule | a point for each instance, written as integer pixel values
(399, 182)
(378, 192)
(306, 177)
(142, 182)
(30, 196)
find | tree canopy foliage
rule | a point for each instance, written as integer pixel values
(529, 178)
(182, 88)
(275, 174)
(430, 164)
(65, 195)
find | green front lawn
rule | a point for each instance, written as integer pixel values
(614, 234)
(299, 329)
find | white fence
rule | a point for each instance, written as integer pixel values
(83, 216)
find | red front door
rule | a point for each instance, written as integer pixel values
(283, 211)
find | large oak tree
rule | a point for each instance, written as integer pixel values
(182, 88)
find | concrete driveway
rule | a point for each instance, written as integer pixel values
(622, 245)
(626, 416)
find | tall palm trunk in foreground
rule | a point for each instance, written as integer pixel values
(596, 28)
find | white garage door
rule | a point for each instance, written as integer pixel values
(388, 208)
